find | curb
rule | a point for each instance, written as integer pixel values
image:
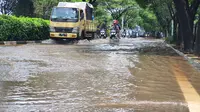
(18, 42)
(194, 62)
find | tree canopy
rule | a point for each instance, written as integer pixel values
(175, 17)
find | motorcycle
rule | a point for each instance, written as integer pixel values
(123, 34)
(103, 34)
(113, 34)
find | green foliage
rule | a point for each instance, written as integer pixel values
(107, 10)
(162, 9)
(24, 8)
(149, 20)
(23, 28)
(143, 3)
(43, 7)
(116, 8)
(7, 6)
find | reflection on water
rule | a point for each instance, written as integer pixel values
(133, 75)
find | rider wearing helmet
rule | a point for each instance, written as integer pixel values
(116, 24)
(117, 27)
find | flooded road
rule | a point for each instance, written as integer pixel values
(132, 75)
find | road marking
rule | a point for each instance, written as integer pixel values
(189, 92)
(131, 104)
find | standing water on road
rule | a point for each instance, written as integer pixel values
(132, 75)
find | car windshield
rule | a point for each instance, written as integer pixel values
(64, 14)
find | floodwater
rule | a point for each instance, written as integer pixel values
(132, 75)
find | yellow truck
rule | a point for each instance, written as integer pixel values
(72, 20)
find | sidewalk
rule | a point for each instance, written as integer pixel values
(191, 58)
(18, 42)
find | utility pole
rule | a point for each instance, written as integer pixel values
(172, 28)
(122, 22)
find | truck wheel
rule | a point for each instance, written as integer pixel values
(82, 35)
(55, 39)
(93, 36)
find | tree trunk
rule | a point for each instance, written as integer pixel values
(166, 33)
(195, 35)
(179, 36)
(197, 45)
(192, 12)
(175, 31)
(184, 21)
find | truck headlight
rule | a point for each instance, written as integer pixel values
(52, 29)
(75, 30)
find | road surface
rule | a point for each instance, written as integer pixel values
(132, 75)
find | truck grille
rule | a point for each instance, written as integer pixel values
(63, 30)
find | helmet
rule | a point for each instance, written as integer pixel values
(115, 21)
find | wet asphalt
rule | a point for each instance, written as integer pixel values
(129, 75)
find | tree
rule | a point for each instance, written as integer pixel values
(43, 7)
(90, 1)
(197, 47)
(149, 20)
(183, 15)
(132, 17)
(24, 8)
(186, 15)
(7, 6)
(117, 8)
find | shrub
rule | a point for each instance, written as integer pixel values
(23, 28)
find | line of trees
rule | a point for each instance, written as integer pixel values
(105, 10)
(133, 14)
(17, 7)
(183, 15)
(32, 8)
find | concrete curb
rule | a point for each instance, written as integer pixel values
(194, 62)
(18, 42)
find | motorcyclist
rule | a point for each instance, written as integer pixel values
(117, 27)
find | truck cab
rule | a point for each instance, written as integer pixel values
(72, 20)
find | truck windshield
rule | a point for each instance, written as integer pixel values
(61, 14)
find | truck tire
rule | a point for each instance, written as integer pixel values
(82, 35)
(93, 36)
(55, 39)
